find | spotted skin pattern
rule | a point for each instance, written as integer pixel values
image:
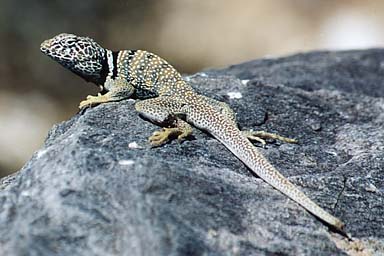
(167, 100)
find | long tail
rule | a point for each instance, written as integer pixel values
(227, 133)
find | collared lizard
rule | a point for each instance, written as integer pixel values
(166, 99)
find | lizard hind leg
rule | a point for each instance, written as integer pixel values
(260, 136)
(163, 111)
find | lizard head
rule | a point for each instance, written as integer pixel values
(81, 55)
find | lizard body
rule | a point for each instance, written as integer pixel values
(166, 99)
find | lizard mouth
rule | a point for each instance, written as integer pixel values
(45, 45)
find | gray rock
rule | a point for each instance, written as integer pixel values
(97, 188)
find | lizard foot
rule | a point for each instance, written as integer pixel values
(160, 137)
(93, 100)
(260, 136)
(181, 131)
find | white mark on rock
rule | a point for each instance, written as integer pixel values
(371, 188)
(126, 162)
(134, 145)
(244, 82)
(235, 95)
(26, 193)
(40, 153)
(333, 153)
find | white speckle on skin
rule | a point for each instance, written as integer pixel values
(235, 95)
(244, 82)
(126, 162)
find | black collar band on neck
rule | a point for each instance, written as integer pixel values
(115, 54)
(105, 69)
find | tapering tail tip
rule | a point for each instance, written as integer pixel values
(338, 227)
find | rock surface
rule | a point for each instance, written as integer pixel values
(97, 188)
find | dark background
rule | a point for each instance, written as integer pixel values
(192, 35)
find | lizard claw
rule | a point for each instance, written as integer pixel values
(93, 100)
(160, 137)
(84, 104)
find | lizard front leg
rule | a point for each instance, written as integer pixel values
(163, 111)
(120, 90)
(94, 100)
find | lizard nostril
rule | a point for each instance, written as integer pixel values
(45, 45)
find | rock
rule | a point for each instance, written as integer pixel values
(97, 188)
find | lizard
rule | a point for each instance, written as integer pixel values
(166, 99)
